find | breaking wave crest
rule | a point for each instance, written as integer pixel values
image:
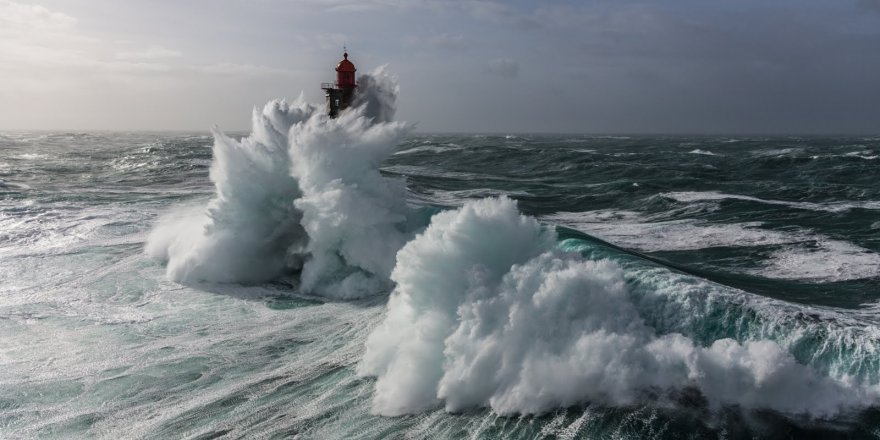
(488, 312)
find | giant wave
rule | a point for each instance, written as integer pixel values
(487, 307)
(302, 192)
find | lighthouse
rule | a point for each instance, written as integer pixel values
(340, 94)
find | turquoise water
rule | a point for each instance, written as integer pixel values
(715, 237)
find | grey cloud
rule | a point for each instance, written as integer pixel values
(871, 5)
(500, 13)
(448, 41)
(441, 41)
(503, 67)
(151, 53)
(333, 41)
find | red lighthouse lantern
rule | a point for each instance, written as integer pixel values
(340, 94)
(345, 73)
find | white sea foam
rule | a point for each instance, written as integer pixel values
(302, 191)
(631, 230)
(777, 152)
(427, 149)
(823, 260)
(804, 255)
(429, 172)
(703, 152)
(31, 156)
(377, 95)
(8, 184)
(459, 197)
(695, 196)
(33, 229)
(865, 154)
(245, 233)
(486, 313)
(353, 216)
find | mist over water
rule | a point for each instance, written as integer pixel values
(346, 278)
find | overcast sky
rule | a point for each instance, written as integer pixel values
(674, 66)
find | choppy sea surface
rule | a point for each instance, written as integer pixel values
(743, 239)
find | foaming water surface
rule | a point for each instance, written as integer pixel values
(345, 278)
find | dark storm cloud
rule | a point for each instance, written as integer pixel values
(652, 68)
(872, 5)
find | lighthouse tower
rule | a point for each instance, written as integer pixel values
(340, 94)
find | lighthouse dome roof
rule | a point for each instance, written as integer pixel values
(345, 65)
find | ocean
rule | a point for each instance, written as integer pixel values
(351, 278)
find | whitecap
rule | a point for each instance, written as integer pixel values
(632, 230)
(804, 255)
(842, 206)
(703, 152)
(31, 156)
(427, 149)
(822, 260)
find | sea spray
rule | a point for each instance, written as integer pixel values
(247, 230)
(377, 95)
(455, 261)
(354, 217)
(488, 313)
(302, 192)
